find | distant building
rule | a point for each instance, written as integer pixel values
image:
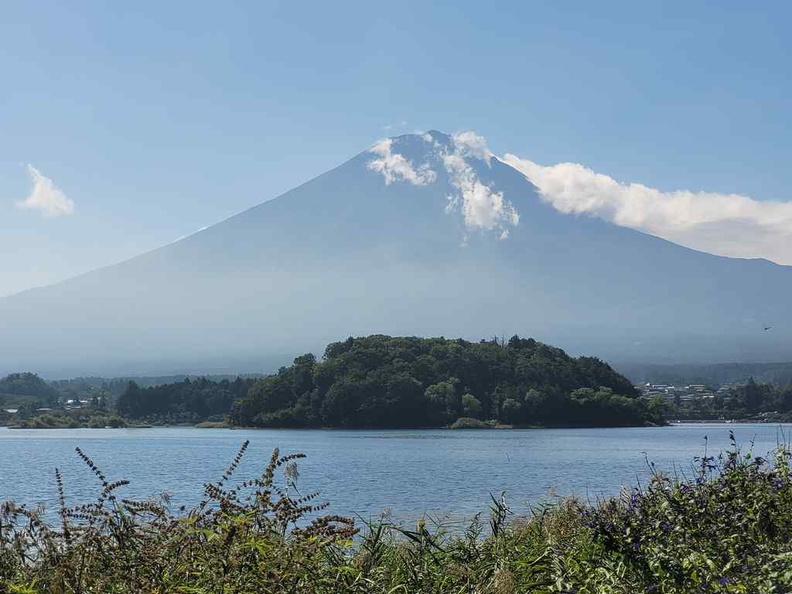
(671, 392)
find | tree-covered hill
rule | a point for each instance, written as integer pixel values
(190, 400)
(383, 381)
(24, 387)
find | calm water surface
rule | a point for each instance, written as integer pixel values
(445, 473)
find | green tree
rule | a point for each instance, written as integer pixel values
(471, 406)
(512, 411)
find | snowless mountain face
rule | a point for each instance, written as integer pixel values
(420, 235)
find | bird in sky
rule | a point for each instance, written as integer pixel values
(767, 328)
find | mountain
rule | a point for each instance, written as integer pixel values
(423, 235)
(718, 374)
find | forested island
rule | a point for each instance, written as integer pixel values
(382, 381)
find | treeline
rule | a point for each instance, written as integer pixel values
(383, 381)
(86, 387)
(750, 401)
(187, 401)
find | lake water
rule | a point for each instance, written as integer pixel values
(444, 473)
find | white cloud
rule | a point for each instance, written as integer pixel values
(470, 144)
(394, 167)
(723, 224)
(482, 207)
(45, 197)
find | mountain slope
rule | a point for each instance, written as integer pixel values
(419, 236)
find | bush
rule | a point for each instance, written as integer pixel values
(252, 537)
(728, 528)
(470, 423)
(213, 425)
(116, 422)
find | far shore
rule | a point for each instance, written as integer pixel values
(482, 427)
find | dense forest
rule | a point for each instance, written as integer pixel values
(21, 388)
(187, 401)
(382, 381)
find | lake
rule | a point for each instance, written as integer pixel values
(445, 473)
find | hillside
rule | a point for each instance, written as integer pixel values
(715, 375)
(26, 389)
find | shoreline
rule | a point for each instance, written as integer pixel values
(726, 422)
(499, 427)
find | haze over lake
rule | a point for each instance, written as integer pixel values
(444, 473)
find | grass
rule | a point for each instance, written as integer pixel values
(725, 528)
(470, 423)
(73, 419)
(213, 425)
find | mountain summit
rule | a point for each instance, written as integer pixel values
(419, 235)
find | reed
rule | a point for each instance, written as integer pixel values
(725, 527)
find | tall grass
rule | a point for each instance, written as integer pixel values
(725, 528)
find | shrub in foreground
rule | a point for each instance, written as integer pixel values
(725, 528)
(244, 538)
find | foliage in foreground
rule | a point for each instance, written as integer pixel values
(727, 528)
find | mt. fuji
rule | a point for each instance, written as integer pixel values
(425, 235)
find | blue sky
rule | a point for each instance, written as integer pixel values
(159, 118)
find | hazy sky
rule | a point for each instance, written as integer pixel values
(124, 127)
